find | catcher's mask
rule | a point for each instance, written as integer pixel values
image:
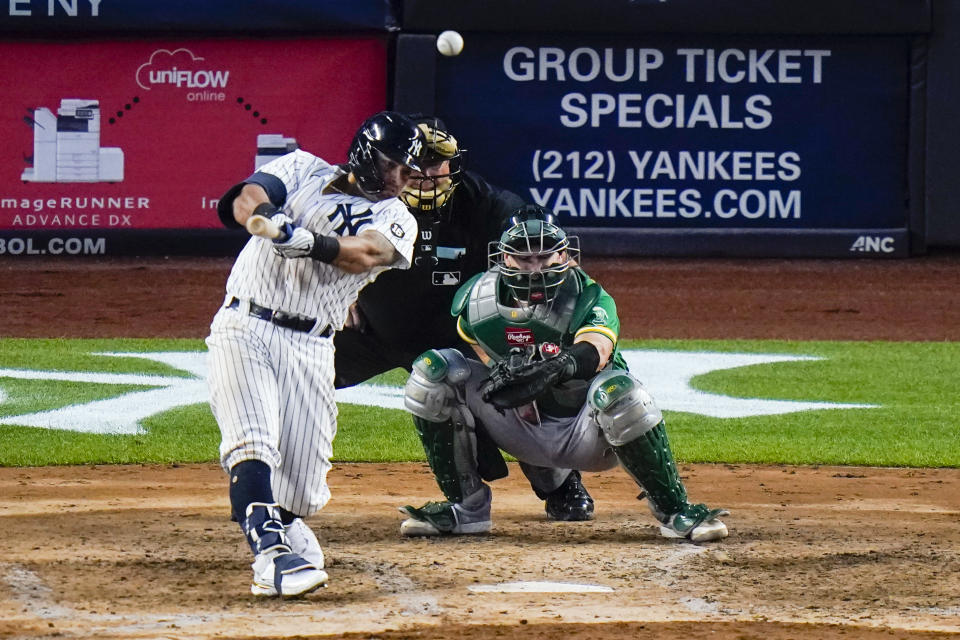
(430, 189)
(534, 255)
(382, 140)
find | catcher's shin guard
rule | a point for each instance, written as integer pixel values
(432, 388)
(438, 444)
(649, 461)
(634, 426)
(445, 426)
(622, 406)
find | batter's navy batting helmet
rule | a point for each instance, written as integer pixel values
(444, 168)
(534, 255)
(388, 134)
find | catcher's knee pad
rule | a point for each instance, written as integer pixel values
(624, 408)
(429, 392)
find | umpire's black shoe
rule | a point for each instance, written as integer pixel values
(570, 501)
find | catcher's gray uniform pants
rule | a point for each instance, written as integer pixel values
(271, 391)
(573, 443)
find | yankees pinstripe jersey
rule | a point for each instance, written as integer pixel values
(311, 288)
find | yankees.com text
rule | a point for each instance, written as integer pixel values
(53, 246)
(724, 204)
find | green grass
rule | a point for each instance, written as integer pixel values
(914, 382)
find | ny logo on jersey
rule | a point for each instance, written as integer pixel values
(344, 219)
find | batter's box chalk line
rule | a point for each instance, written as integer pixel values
(539, 587)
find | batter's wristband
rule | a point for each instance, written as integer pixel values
(325, 248)
(265, 209)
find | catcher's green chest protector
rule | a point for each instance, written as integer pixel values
(499, 328)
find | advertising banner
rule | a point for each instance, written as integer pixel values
(711, 140)
(673, 16)
(132, 136)
(33, 18)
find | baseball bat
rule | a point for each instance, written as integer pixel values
(264, 227)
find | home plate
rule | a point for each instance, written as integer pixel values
(539, 587)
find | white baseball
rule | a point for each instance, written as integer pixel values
(450, 43)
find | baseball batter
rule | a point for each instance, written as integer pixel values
(404, 313)
(556, 393)
(270, 345)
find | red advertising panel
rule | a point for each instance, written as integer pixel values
(122, 136)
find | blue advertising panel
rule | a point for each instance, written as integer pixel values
(705, 139)
(120, 17)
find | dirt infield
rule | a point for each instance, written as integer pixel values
(814, 552)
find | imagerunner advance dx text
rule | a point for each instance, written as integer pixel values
(73, 211)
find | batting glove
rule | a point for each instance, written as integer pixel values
(294, 242)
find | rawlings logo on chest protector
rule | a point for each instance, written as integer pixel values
(518, 337)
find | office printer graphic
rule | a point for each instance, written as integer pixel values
(271, 146)
(66, 146)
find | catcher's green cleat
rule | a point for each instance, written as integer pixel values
(696, 523)
(446, 518)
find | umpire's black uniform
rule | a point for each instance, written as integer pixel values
(408, 311)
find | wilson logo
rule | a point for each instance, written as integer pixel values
(873, 244)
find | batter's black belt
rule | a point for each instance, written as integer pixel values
(282, 318)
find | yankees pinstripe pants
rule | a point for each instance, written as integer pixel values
(272, 394)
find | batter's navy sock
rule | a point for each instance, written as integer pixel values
(249, 482)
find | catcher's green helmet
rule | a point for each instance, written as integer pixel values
(533, 255)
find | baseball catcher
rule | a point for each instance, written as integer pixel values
(553, 389)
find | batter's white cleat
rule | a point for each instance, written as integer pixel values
(304, 543)
(285, 574)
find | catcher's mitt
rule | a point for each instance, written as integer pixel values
(510, 387)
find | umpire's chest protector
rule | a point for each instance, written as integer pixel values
(499, 327)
